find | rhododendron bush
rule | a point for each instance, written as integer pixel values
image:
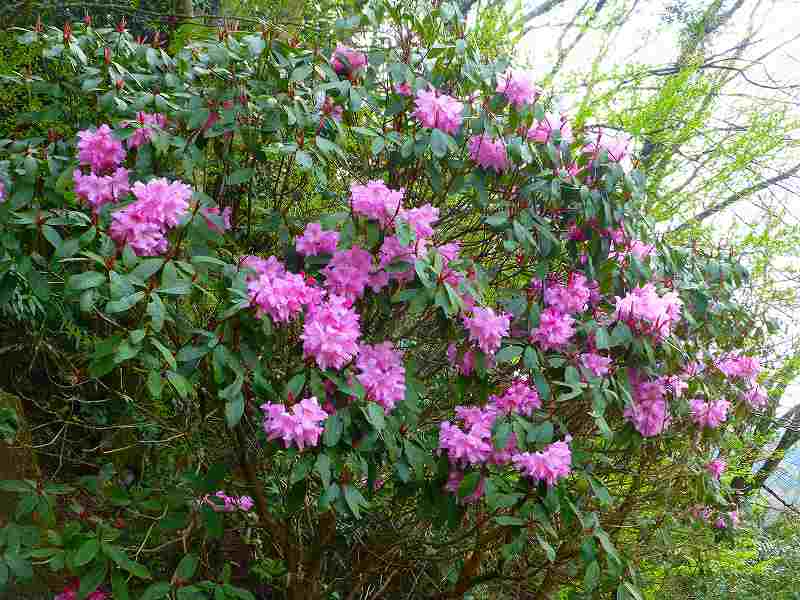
(387, 320)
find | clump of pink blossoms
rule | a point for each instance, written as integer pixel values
(376, 201)
(346, 60)
(331, 332)
(100, 149)
(549, 465)
(420, 219)
(571, 298)
(595, 363)
(473, 444)
(300, 425)
(382, 374)
(2, 191)
(744, 367)
(99, 190)
(488, 152)
(655, 314)
(230, 503)
(280, 294)
(709, 414)
(542, 131)
(487, 328)
(615, 146)
(70, 592)
(316, 241)
(438, 111)
(519, 398)
(159, 206)
(555, 329)
(467, 363)
(144, 134)
(756, 397)
(348, 272)
(518, 87)
(716, 467)
(648, 411)
(224, 216)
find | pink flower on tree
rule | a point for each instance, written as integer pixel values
(382, 374)
(519, 398)
(403, 89)
(376, 201)
(224, 216)
(518, 87)
(331, 332)
(346, 60)
(571, 298)
(100, 149)
(467, 363)
(281, 295)
(716, 468)
(98, 190)
(470, 447)
(595, 363)
(555, 329)
(549, 465)
(2, 191)
(505, 455)
(709, 414)
(487, 328)
(454, 479)
(656, 314)
(144, 134)
(438, 111)
(300, 425)
(316, 241)
(744, 367)
(488, 152)
(542, 131)
(648, 411)
(348, 272)
(420, 219)
(229, 503)
(756, 397)
(615, 146)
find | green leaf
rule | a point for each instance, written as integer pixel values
(234, 409)
(509, 521)
(355, 500)
(91, 580)
(86, 552)
(541, 434)
(469, 484)
(601, 338)
(123, 304)
(180, 383)
(301, 469)
(592, 576)
(323, 467)
(439, 143)
(508, 353)
(240, 176)
(600, 491)
(375, 416)
(333, 430)
(548, 549)
(20, 487)
(119, 586)
(86, 281)
(156, 591)
(295, 386)
(186, 568)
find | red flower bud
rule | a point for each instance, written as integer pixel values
(107, 55)
(87, 20)
(121, 25)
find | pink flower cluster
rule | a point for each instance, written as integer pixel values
(229, 503)
(376, 201)
(159, 206)
(756, 397)
(438, 111)
(743, 367)
(315, 241)
(331, 332)
(487, 328)
(2, 191)
(421, 219)
(571, 298)
(454, 479)
(542, 131)
(348, 273)
(488, 152)
(99, 149)
(653, 313)
(280, 294)
(549, 465)
(709, 414)
(382, 374)
(70, 592)
(555, 329)
(595, 363)
(300, 425)
(473, 444)
(224, 215)
(148, 122)
(648, 411)
(466, 364)
(716, 467)
(519, 398)
(99, 190)
(518, 87)
(346, 60)
(615, 146)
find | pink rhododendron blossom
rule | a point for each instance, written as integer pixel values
(281, 295)
(555, 329)
(421, 219)
(467, 363)
(331, 332)
(348, 272)
(376, 201)
(165, 202)
(648, 411)
(465, 448)
(347, 60)
(506, 454)
(229, 503)
(570, 298)
(709, 414)
(701, 513)
(264, 266)
(716, 467)
(98, 190)
(487, 328)
(438, 111)
(720, 523)
(595, 363)
(675, 384)
(144, 134)
(300, 425)
(403, 89)
(756, 397)
(224, 215)
(734, 517)
(542, 131)
(393, 251)
(519, 398)
(488, 152)
(640, 250)
(549, 465)
(454, 479)
(2, 191)
(100, 149)
(316, 241)
(70, 592)
(744, 367)
(656, 314)
(382, 374)
(518, 87)
(616, 146)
